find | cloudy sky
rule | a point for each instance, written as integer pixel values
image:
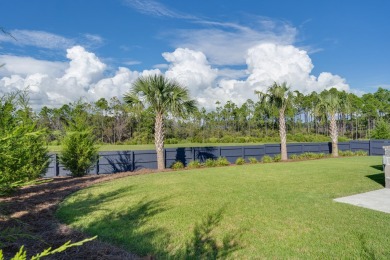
(63, 50)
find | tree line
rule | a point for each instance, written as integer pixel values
(116, 122)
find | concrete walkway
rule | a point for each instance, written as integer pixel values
(376, 200)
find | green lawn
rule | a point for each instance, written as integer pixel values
(277, 210)
(113, 147)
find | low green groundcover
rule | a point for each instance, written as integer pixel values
(276, 210)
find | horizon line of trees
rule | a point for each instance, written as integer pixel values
(116, 122)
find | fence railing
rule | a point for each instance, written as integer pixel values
(121, 161)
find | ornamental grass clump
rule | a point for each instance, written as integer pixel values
(240, 161)
(253, 160)
(210, 163)
(266, 159)
(177, 165)
(222, 161)
(277, 158)
(361, 153)
(194, 164)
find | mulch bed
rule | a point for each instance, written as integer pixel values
(28, 217)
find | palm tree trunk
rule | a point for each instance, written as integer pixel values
(282, 134)
(333, 135)
(159, 140)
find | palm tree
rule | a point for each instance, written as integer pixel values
(329, 104)
(279, 97)
(165, 97)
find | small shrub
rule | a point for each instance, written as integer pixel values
(381, 130)
(253, 160)
(177, 165)
(222, 161)
(361, 153)
(346, 153)
(240, 161)
(79, 152)
(308, 155)
(267, 159)
(194, 164)
(294, 157)
(210, 163)
(277, 158)
(321, 155)
(302, 156)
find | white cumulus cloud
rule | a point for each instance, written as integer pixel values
(268, 63)
(84, 67)
(84, 76)
(190, 68)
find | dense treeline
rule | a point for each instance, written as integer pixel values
(115, 122)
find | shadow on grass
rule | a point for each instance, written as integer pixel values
(126, 228)
(71, 212)
(377, 167)
(130, 230)
(204, 244)
(378, 178)
(131, 227)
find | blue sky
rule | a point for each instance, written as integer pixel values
(219, 49)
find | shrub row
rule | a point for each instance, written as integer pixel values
(222, 161)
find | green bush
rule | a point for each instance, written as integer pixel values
(253, 160)
(277, 158)
(307, 155)
(194, 164)
(23, 150)
(177, 165)
(381, 131)
(321, 155)
(346, 153)
(361, 153)
(266, 159)
(210, 163)
(79, 152)
(240, 161)
(294, 157)
(222, 161)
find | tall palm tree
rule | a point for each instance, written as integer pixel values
(279, 97)
(165, 97)
(329, 104)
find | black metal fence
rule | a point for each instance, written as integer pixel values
(120, 161)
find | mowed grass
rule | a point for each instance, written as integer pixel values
(113, 147)
(277, 210)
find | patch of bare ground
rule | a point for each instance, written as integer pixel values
(27, 217)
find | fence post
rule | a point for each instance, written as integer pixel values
(165, 158)
(97, 165)
(219, 151)
(132, 161)
(57, 167)
(242, 152)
